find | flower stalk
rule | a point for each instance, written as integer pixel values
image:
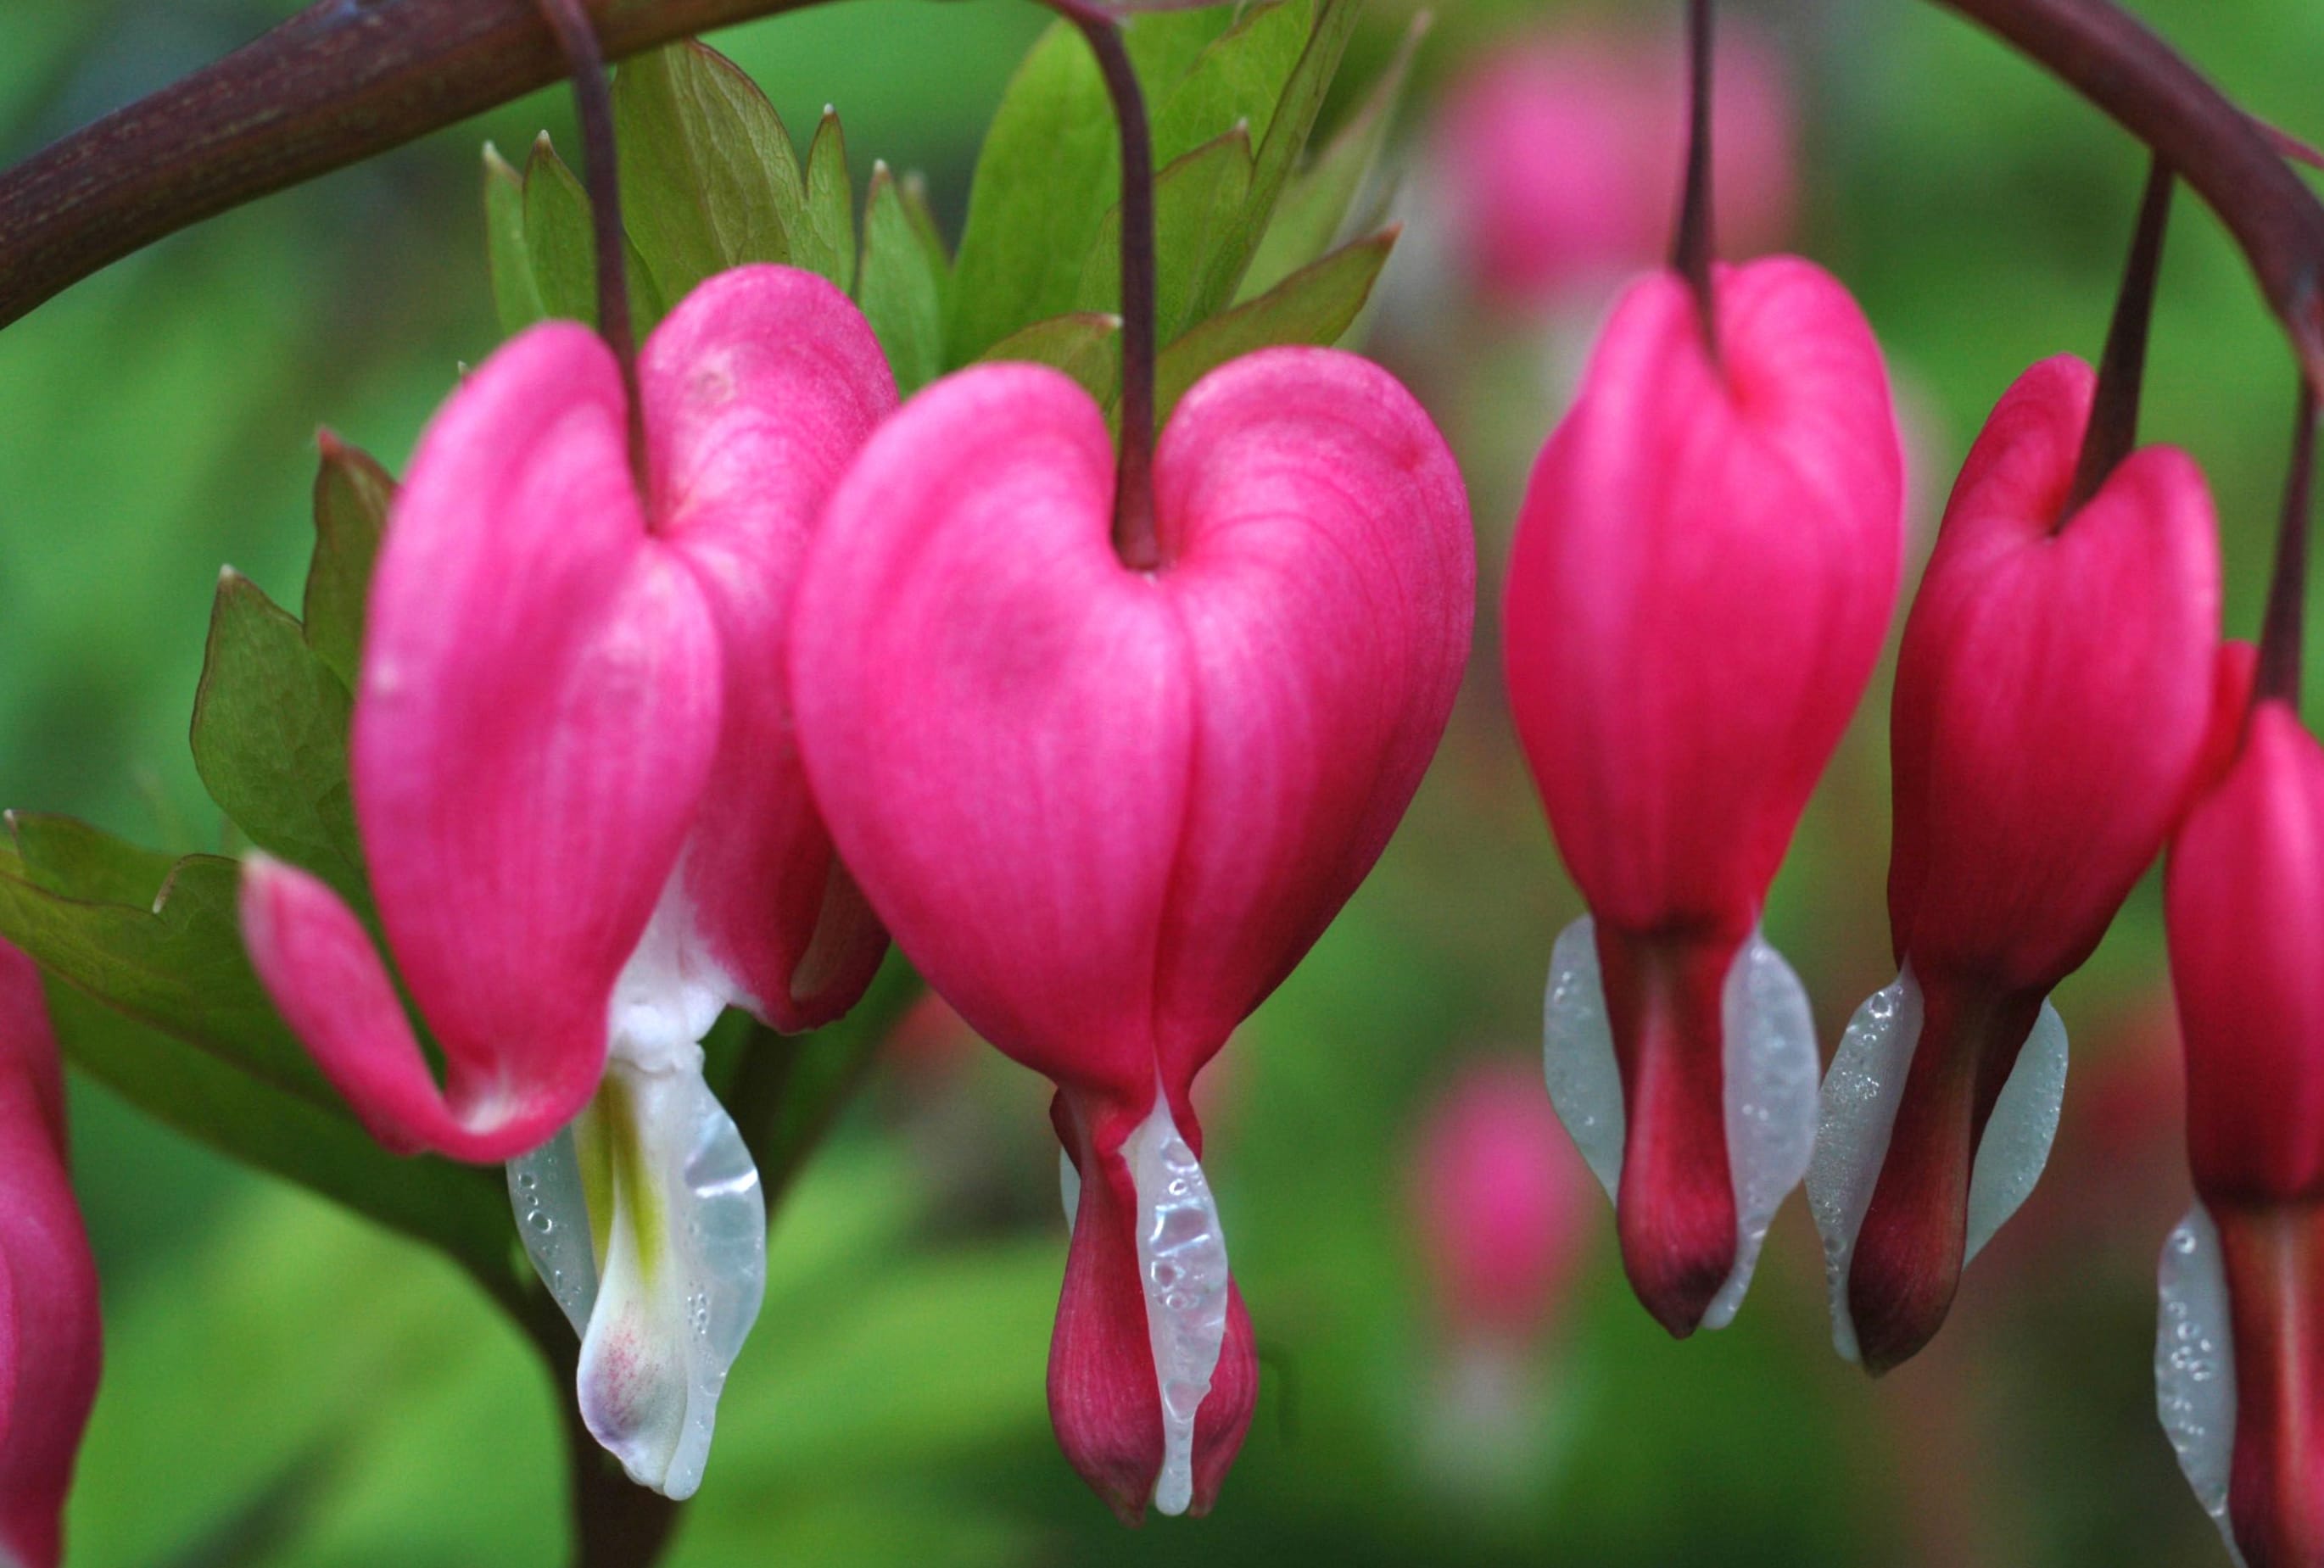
(1690, 245)
(2112, 429)
(2280, 633)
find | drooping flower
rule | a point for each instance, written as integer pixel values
(583, 819)
(1106, 810)
(1704, 568)
(2239, 1351)
(1557, 151)
(2054, 694)
(51, 1342)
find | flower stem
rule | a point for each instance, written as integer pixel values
(2112, 429)
(1691, 244)
(2280, 634)
(593, 103)
(1135, 538)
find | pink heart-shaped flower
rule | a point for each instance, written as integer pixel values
(571, 719)
(1105, 811)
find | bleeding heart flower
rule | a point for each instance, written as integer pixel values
(1105, 811)
(2054, 694)
(51, 1342)
(1703, 572)
(584, 821)
(2239, 1351)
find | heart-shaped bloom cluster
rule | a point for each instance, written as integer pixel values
(1704, 570)
(585, 824)
(2054, 694)
(1106, 810)
(2239, 1351)
(49, 1337)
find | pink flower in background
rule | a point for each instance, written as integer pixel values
(1559, 155)
(1705, 570)
(1503, 1203)
(1106, 810)
(51, 1342)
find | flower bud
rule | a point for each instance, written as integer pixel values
(1704, 570)
(2054, 695)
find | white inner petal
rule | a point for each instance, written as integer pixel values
(646, 1222)
(667, 995)
(1771, 1072)
(1069, 1187)
(1768, 1065)
(1861, 1095)
(1181, 1260)
(552, 1216)
(2195, 1364)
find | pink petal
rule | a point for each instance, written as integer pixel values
(2053, 694)
(50, 1339)
(1107, 811)
(759, 389)
(320, 968)
(538, 709)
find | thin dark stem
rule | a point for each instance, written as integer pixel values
(593, 103)
(2281, 635)
(2112, 429)
(1690, 245)
(1135, 536)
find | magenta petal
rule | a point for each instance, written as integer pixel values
(318, 964)
(51, 1342)
(759, 391)
(538, 709)
(1106, 811)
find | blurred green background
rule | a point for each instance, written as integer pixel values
(286, 1385)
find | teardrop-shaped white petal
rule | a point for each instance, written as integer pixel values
(1182, 1260)
(1771, 1072)
(2019, 1132)
(2195, 1365)
(1069, 1187)
(552, 1216)
(1585, 1081)
(1861, 1091)
(1768, 1063)
(682, 1266)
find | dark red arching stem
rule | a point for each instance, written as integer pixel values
(1135, 536)
(2280, 633)
(2112, 429)
(593, 103)
(1691, 244)
(2112, 58)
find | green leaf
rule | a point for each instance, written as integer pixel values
(826, 241)
(516, 296)
(1086, 347)
(1313, 305)
(461, 1209)
(1287, 137)
(270, 737)
(559, 238)
(175, 963)
(352, 494)
(900, 291)
(64, 855)
(1319, 202)
(709, 178)
(1236, 77)
(1198, 201)
(556, 236)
